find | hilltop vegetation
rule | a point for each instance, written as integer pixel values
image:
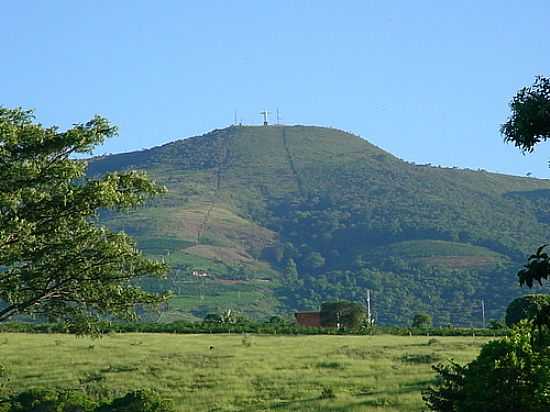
(284, 218)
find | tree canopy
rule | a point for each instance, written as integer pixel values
(528, 125)
(529, 122)
(56, 259)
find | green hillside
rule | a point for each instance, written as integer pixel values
(284, 217)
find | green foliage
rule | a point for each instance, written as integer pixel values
(525, 308)
(55, 260)
(536, 269)
(142, 401)
(421, 320)
(333, 215)
(509, 375)
(342, 314)
(47, 400)
(529, 123)
(327, 393)
(213, 318)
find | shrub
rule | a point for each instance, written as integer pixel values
(327, 393)
(42, 400)
(246, 341)
(509, 375)
(142, 401)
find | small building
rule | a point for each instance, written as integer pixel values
(200, 273)
(308, 319)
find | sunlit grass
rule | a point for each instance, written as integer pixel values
(259, 373)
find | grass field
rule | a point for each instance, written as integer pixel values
(240, 373)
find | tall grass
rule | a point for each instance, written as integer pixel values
(220, 373)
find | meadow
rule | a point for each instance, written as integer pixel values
(239, 372)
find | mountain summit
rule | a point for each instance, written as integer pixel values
(279, 218)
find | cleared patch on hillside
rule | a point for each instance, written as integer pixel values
(217, 227)
(440, 253)
(220, 253)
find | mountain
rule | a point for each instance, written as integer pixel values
(285, 217)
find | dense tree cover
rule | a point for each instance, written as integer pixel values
(345, 216)
(56, 260)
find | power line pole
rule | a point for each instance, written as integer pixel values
(483, 312)
(369, 313)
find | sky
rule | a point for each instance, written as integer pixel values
(429, 81)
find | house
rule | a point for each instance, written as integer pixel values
(308, 319)
(200, 273)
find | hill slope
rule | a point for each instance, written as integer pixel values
(284, 217)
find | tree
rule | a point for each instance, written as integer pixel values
(528, 125)
(422, 320)
(56, 259)
(525, 308)
(290, 271)
(342, 313)
(509, 375)
(314, 261)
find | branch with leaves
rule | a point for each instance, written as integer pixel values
(56, 260)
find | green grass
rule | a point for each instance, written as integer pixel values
(253, 373)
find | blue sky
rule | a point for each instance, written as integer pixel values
(429, 81)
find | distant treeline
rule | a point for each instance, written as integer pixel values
(248, 327)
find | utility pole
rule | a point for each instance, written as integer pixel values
(369, 313)
(483, 312)
(278, 118)
(235, 118)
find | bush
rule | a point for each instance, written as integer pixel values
(525, 307)
(327, 393)
(509, 375)
(142, 401)
(43, 400)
